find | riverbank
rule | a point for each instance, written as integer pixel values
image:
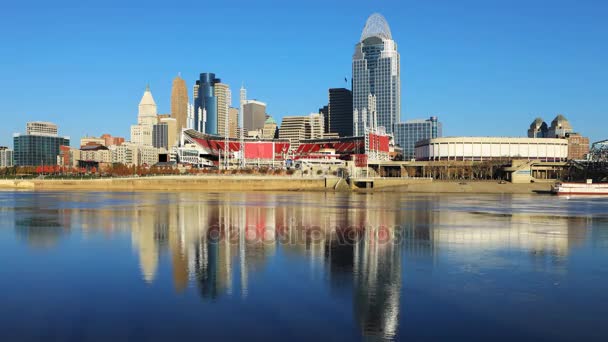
(269, 183)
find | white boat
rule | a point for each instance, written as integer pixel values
(588, 188)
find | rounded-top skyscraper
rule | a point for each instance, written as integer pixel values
(376, 72)
(376, 26)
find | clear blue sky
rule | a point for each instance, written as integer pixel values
(485, 67)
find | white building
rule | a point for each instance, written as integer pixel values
(317, 126)
(487, 148)
(127, 154)
(41, 128)
(6, 157)
(141, 134)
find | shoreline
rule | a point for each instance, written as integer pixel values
(271, 183)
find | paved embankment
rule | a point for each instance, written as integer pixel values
(488, 187)
(266, 183)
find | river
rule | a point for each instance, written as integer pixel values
(294, 266)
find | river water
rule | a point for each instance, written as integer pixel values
(301, 266)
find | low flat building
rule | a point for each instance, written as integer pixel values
(487, 148)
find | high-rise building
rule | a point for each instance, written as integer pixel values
(6, 157)
(41, 128)
(147, 109)
(254, 115)
(325, 111)
(141, 134)
(408, 133)
(339, 116)
(298, 128)
(233, 122)
(295, 129)
(179, 103)
(538, 129)
(560, 127)
(164, 134)
(317, 126)
(377, 72)
(160, 135)
(270, 129)
(224, 100)
(205, 104)
(172, 135)
(37, 148)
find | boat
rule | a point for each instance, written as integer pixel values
(588, 188)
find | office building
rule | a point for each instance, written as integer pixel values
(317, 126)
(126, 154)
(408, 133)
(39, 148)
(141, 134)
(41, 128)
(270, 129)
(377, 72)
(294, 129)
(160, 135)
(233, 122)
(147, 114)
(339, 115)
(560, 127)
(172, 135)
(538, 129)
(325, 111)
(6, 157)
(205, 104)
(224, 100)
(179, 103)
(298, 128)
(254, 115)
(578, 146)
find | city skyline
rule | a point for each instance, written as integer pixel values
(507, 69)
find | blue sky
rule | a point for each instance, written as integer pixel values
(484, 67)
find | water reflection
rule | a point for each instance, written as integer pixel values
(216, 242)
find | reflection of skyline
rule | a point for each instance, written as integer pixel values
(216, 243)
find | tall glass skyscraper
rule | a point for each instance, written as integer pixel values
(408, 133)
(376, 71)
(205, 104)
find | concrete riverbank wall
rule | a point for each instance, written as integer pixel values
(268, 183)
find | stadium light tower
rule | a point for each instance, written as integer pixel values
(241, 123)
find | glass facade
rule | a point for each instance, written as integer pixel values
(35, 150)
(376, 71)
(206, 101)
(408, 133)
(339, 116)
(160, 135)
